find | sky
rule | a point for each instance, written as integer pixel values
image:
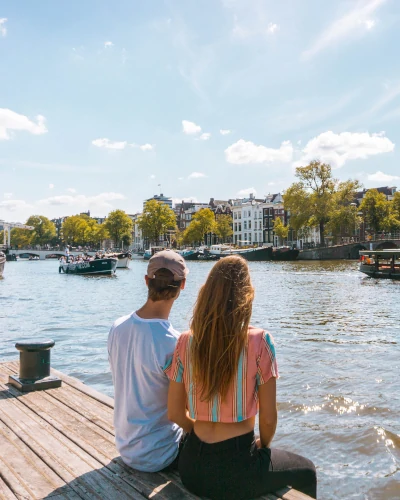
(104, 104)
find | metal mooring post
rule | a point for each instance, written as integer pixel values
(34, 367)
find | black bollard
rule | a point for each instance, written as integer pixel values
(34, 367)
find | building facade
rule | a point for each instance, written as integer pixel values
(161, 198)
(247, 219)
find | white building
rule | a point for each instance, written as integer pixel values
(161, 198)
(137, 237)
(248, 221)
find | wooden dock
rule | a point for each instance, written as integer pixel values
(59, 444)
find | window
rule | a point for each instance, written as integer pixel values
(249, 237)
(260, 215)
(249, 213)
(249, 224)
(245, 238)
(240, 215)
(255, 215)
(260, 225)
(235, 226)
(240, 226)
(235, 215)
(260, 237)
(255, 238)
(245, 224)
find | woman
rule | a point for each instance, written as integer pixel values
(222, 371)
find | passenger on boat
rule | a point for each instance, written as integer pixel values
(140, 348)
(224, 371)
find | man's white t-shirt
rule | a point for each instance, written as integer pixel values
(139, 351)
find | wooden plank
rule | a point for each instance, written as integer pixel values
(18, 463)
(83, 473)
(5, 492)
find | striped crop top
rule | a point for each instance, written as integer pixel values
(257, 364)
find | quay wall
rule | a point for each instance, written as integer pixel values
(350, 251)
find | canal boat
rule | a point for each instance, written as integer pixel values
(151, 251)
(189, 253)
(285, 253)
(252, 254)
(123, 258)
(106, 266)
(2, 263)
(380, 263)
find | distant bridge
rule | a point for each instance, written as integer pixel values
(44, 254)
(347, 251)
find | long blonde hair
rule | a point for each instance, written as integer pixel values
(219, 326)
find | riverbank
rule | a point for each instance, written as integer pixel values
(338, 348)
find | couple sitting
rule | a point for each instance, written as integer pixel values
(190, 401)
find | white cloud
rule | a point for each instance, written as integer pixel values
(51, 186)
(191, 199)
(381, 177)
(247, 192)
(108, 44)
(71, 190)
(11, 121)
(205, 136)
(146, 147)
(13, 205)
(7, 196)
(101, 200)
(247, 152)
(350, 25)
(107, 144)
(3, 29)
(272, 27)
(336, 149)
(181, 178)
(196, 175)
(225, 131)
(190, 128)
(152, 176)
(369, 23)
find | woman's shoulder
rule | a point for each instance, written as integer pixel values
(184, 338)
(258, 335)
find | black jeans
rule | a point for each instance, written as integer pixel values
(236, 469)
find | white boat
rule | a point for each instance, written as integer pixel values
(219, 249)
(124, 258)
(2, 263)
(380, 263)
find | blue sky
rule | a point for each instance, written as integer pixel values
(102, 101)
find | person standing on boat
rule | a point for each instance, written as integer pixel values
(224, 371)
(140, 348)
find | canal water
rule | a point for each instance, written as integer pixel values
(337, 335)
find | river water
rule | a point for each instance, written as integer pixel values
(337, 335)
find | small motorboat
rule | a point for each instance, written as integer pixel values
(2, 263)
(189, 253)
(148, 254)
(285, 253)
(102, 266)
(380, 263)
(123, 258)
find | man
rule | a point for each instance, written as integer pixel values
(140, 348)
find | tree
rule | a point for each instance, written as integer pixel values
(95, 233)
(375, 209)
(75, 230)
(316, 196)
(392, 222)
(157, 218)
(20, 237)
(202, 222)
(44, 230)
(193, 233)
(119, 226)
(223, 227)
(280, 229)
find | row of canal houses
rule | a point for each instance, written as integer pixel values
(252, 220)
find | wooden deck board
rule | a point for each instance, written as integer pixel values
(59, 444)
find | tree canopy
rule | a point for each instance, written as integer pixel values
(44, 230)
(202, 222)
(223, 227)
(280, 229)
(157, 218)
(317, 198)
(376, 210)
(119, 226)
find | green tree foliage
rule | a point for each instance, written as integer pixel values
(392, 221)
(317, 198)
(44, 230)
(75, 230)
(280, 229)
(20, 237)
(376, 210)
(223, 227)
(95, 233)
(119, 226)
(202, 222)
(157, 218)
(193, 234)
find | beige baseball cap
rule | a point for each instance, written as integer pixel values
(168, 259)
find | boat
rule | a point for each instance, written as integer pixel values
(252, 254)
(380, 263)
(123, 258)
(151, 251)
(217, 250)
(103, 266)
(285, 253)
(2, 263)
(189, 253)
